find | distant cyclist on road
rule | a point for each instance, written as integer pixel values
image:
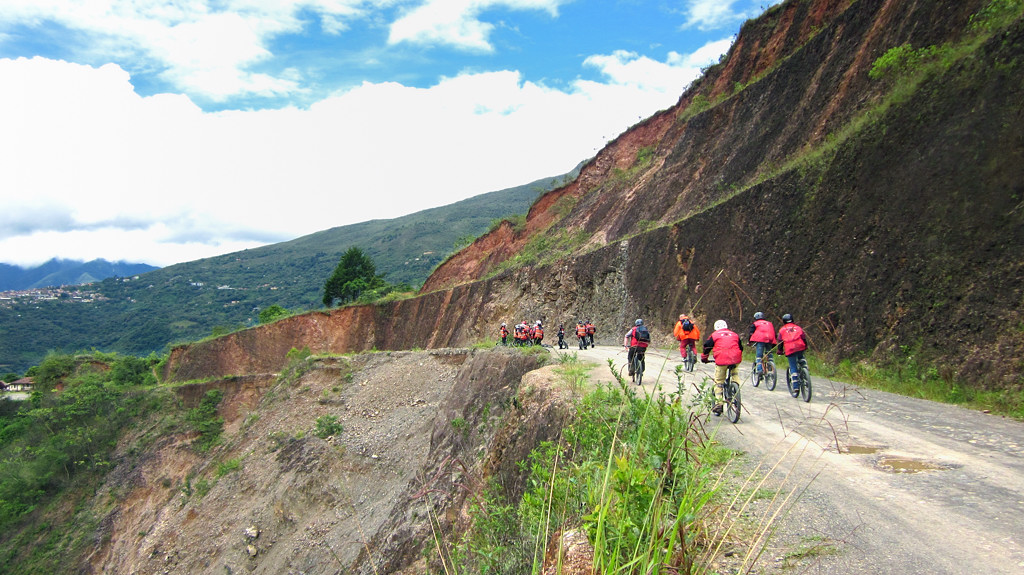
(725, 345)
(581, 334)
(561, 337)
(794, 342)
(591, 330)
(687, 333)
(638, 339)
(761, 336)
(538, 333)
(503, 331)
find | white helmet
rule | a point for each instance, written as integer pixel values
(720, 324)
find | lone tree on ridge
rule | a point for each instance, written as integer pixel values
(354, 275)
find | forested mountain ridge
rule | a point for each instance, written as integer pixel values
(191, 300)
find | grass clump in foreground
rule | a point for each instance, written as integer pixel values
(630, 472)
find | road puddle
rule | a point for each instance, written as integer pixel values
(904, 465)
(860, 449)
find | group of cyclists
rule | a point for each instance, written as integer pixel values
(723, 346)
(726, 349)
(524, 334)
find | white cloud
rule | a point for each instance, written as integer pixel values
(207, 48)
(651, 76)
(88, 159)
(718, 14)
(92, 169)
(457, 22)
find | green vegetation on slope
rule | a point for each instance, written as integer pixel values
(634, 473)
(55, 449)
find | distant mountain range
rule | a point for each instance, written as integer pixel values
(191, 300)
(59, 272)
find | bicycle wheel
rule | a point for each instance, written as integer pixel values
(732, 403)
(638, 369)
(805, 382)
(789, 384)
(771, 377)
(691, 359)
(755, 378)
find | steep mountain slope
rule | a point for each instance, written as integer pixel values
(885, 214)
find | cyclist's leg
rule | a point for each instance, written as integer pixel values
(794, 370)
(759, 354)
(642, 359)
(629, 359)
(720, 373)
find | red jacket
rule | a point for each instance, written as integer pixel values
(793, 338)
(726, 346)
(762, 331)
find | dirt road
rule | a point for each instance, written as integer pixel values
(884, 483)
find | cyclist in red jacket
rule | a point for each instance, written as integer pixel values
(725, 345)
(762, 335)
(638, 338)
(794, 342)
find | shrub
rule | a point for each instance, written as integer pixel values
(205, 420)
(326, 426)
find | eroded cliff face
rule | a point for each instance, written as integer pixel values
(785, 181)
(361, 501)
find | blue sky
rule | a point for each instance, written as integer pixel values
(167, 131)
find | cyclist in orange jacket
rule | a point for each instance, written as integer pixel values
(687, 333)
(727, 348)
(504, 333)
(581, 333)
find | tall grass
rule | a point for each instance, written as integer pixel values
(630, 472)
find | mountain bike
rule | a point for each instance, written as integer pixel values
(731, 395)
(690, 359)
(805, 381)
(639, 364)
(768, 374)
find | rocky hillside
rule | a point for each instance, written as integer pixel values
(417, 433)
(883, 212)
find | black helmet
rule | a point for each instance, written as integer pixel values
(638, 322)
(787, 318)
(758, 315)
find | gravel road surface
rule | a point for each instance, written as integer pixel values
(880, 483)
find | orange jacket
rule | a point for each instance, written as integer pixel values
(682, 334)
